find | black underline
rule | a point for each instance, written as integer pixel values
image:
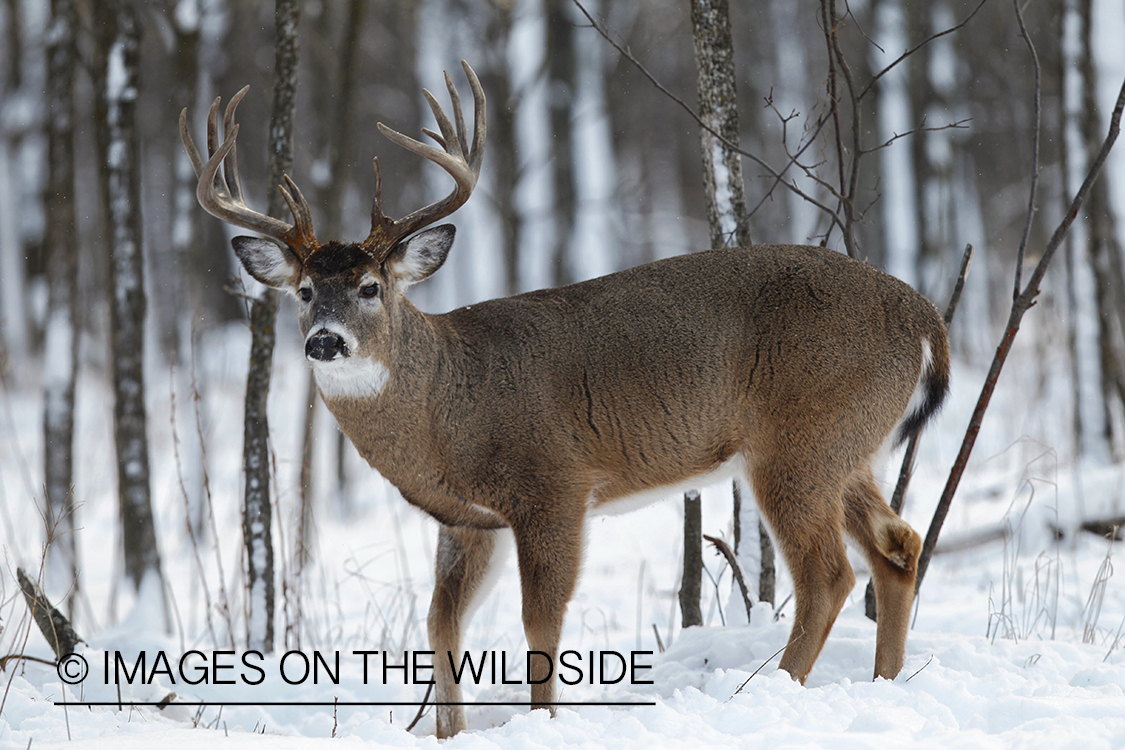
(161, 704)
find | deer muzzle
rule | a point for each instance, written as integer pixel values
(325, 346)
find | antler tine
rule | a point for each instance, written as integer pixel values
(302, 214)
(189, 144)
(450, 139)
(230, 165)
(458, 116)
(464, 169)
(378, 218)
(480, 123)
(222, 197)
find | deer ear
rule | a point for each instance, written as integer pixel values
(265, 261)
(422, 254)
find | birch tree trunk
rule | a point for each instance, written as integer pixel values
(60, 365)
(726, 215)
(118, 85)
(257, 511)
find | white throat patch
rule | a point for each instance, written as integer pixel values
(351, 377)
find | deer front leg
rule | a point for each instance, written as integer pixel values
(465, 559)
(550, 557)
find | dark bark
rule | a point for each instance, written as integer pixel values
(183, 284)
(118, 85)
(692, 580)
(722, 178)
(61, 355)
(503, 157)
(56, 629)
(718, 107)
(257, 511)
(561, 82)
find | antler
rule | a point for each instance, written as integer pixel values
(385, 233)
(222, 196)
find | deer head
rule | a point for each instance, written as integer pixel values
(346, 292)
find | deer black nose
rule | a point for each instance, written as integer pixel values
(325, 346)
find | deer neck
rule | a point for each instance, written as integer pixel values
(388, 417)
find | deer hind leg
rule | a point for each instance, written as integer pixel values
(550, 558)
(465, 559)
(806, 514)
(892, 549)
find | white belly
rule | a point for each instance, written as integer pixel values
(599, 506)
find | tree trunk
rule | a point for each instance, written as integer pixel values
(692, 579)
(561, 82)
(726, 200)
(60, 359)
(183, 282)
(504, 159)
(118, 84)
(257, 515)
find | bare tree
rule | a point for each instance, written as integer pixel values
(257, 510)
(60, 357)
(118, 82)
(561, 82)
(726, 211)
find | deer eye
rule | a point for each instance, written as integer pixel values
(305, 293)
(369, 291)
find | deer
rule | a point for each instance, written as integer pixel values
(793, 367)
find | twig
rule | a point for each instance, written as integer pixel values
(736, 570)
(760, 668)
(24, 657)
(188, 521)
(915, 48)
(911, 677)
(421, 708)
(958, 125)
(1034, 151)
(1020, 306)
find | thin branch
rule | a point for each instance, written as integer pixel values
(959, 125)
(920, 45)
(1034, 151)
(24, 657)
(736, 569)
(421, 708)
(829, 21)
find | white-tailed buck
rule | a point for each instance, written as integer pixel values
(789, 365)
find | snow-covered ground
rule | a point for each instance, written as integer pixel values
(1019, 642)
